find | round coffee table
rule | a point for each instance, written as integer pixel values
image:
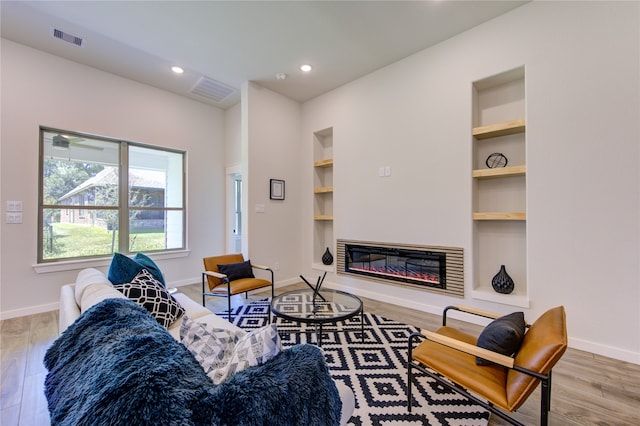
(324, 307)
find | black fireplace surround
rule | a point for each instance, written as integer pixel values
(417, 267)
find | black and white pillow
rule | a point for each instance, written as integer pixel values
(149, 293)
(222, 353)
(212, 347)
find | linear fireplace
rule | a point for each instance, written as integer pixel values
(418, 267)
(436, 269)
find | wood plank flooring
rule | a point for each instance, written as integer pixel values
(588, 389)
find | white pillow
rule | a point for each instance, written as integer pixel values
(222, 352)
(87, 277)
(95, 293)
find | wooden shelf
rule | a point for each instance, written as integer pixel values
(323, 217)
(324, 163)
(499, 129)
(500, 172)
(500, 216)
(323, 190)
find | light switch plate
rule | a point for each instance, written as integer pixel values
(14, 206)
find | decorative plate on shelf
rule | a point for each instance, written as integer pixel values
(496, 160)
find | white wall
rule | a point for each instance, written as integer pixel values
(271, 125)
(233, 166)
(40, 89)
(233, 137)
(583, 184)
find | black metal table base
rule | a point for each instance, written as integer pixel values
(319, 326)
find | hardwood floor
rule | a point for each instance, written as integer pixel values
(588, 389)
(23, 344)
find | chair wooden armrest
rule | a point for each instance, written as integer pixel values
(475, 311)
(255, 265)
(494, 357)
(472, 311)
(215, 274)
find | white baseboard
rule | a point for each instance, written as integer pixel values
(287, 282)
(604, 350)
(184, 282)
(30, 310)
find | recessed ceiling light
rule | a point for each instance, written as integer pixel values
(177, 70)
(306, 67)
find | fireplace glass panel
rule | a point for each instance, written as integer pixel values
(419, 267)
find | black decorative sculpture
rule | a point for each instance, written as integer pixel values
(327, 257)
(502, 282)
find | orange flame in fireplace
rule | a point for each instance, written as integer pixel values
(401, 273)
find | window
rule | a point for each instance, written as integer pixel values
(101, 195)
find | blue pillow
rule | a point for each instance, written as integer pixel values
(150, 266)
(123, 269)
(235, 271)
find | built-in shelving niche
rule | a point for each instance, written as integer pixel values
(323, 236)
(499, 194)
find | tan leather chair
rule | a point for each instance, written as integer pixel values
(501, 387)
(219, 284)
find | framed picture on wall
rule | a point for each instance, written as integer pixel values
(277, 189)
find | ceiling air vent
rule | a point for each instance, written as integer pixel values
(69, 38)
(211, 89)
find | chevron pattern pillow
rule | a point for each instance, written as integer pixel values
(149, 293)
(222, 353)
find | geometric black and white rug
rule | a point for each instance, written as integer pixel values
(375, 370)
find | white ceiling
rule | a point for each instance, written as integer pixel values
(236, 41)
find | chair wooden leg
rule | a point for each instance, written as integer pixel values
(229, 308)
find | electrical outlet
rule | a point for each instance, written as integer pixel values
(14, 218)
(276, 266)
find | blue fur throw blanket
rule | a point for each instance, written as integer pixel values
(117, 365)
(292, 388)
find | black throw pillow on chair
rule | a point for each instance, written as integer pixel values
(503, 335)
(235, 271)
